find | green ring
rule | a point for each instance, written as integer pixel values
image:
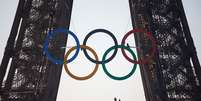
(115, 77)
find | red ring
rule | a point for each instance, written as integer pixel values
(151, 51)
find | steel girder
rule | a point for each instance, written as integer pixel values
(174, 73)
(31, 76)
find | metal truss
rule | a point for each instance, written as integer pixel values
(25, 72)
(174, 73)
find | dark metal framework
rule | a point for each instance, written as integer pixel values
(174, 73)
(25, 72)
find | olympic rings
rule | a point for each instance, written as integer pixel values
(50, 35)
(115, 77)
(152, 51)
(104, 31)
(74, 76)
(96, 61)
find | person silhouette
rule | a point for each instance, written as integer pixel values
(115, 99)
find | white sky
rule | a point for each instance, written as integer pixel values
(85, 18)
(114, 16)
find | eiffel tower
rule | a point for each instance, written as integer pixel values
(173, 74)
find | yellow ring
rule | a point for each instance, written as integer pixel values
(77, 77)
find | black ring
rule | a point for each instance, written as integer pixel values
(106, 32)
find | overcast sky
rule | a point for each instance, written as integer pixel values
(114, 16)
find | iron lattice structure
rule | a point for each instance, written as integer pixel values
(172, 75)
(30, 76)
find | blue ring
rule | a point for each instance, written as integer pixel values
(50, 35)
